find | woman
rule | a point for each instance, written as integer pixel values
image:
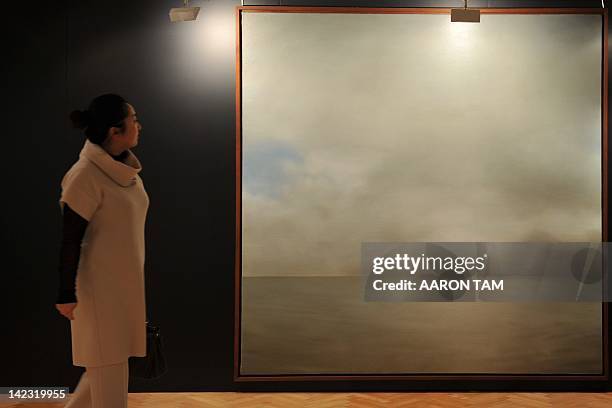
(102, 292)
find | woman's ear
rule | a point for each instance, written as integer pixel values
(113, 131)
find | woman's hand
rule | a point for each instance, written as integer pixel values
(66, 309)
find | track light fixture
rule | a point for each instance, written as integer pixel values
(465, 15)
(186, 13)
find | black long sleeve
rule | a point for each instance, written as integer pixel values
(73, 230)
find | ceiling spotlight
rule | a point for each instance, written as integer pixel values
(465, 15)
(186, 13)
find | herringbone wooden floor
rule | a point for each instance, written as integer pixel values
(359, 400)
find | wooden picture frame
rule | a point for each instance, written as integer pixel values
(468, 380)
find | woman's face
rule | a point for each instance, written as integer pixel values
(131, 128)
(127, 137)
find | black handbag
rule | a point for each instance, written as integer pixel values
(153, 365)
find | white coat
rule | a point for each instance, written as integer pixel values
(109, 320)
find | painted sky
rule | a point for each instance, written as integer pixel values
(407, 128)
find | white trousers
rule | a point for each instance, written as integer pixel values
(102, 387)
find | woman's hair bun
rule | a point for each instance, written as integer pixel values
(104, 112)
(80, 119)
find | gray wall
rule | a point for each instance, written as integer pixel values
(180, 78)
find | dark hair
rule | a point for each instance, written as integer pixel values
(104, 112)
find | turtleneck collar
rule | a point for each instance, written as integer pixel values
(123, 173)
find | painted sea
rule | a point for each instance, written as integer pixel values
(322, 325)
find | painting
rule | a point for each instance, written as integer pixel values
(404, 127)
